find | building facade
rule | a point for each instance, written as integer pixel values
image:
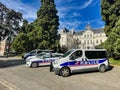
(82, 39)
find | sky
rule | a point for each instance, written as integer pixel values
(73, 14)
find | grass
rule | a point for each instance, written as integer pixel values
(114, 62)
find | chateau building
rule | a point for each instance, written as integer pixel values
(82, 39)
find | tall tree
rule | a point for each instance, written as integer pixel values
(47, 23)
(110, 10)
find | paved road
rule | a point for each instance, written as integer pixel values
(2, 87)
(15, 74)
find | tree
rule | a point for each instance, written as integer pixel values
(3, 14)
(21, 43)
(47, 23)
(110, 10)
(26, 27)
(9, 21)
(42, 33)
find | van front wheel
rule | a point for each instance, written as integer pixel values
(65, 71)
(102, 68)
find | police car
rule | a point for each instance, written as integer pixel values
(35, 52)
(40, 55)
(77, 60)
(44, 60)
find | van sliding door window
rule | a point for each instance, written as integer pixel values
(95, 54)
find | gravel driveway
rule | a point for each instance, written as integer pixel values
(20, 77)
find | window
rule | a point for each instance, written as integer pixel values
(90, 35)
(84, 35)
(96, 41)
(76, 55)
(95, 54)
(33, 52)
(39, 52)
(88, 42)
(91, 41)
(85, 42)
(67, 53)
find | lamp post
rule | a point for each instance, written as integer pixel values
(8, 45)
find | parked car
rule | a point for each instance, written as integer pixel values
(35, 52)
(44, 60)
(36, 56)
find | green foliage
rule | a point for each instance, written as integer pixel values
(20, 43)
(9, 21)
(110, 10)
(47, 24)
(42, 33)
(113, 42)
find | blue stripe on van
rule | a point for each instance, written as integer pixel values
(82, 63)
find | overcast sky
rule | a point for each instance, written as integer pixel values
(73, 14)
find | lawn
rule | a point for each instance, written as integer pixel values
(114, 62)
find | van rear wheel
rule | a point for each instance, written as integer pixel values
(65, 71)
(102, 68)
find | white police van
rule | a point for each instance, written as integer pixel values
(77, 60)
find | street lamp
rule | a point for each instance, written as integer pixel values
(8, 44)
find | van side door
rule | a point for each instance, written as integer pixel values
(75, 60)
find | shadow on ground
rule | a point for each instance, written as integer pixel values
(86, 72)
(11, 63)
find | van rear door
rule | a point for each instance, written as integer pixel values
(94, 58)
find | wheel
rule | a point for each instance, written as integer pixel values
(102, 68)
(65, 71)
(34, 65)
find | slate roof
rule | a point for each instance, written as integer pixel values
(95, 31)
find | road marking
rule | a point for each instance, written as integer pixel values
(8, 85)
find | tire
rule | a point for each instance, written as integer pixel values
(102, 68)
(34, 65)
(65, 72)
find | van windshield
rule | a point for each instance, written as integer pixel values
(67, 53)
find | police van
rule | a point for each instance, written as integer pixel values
(77, 60)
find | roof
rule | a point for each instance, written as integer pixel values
(100, 30)
(95, 31)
